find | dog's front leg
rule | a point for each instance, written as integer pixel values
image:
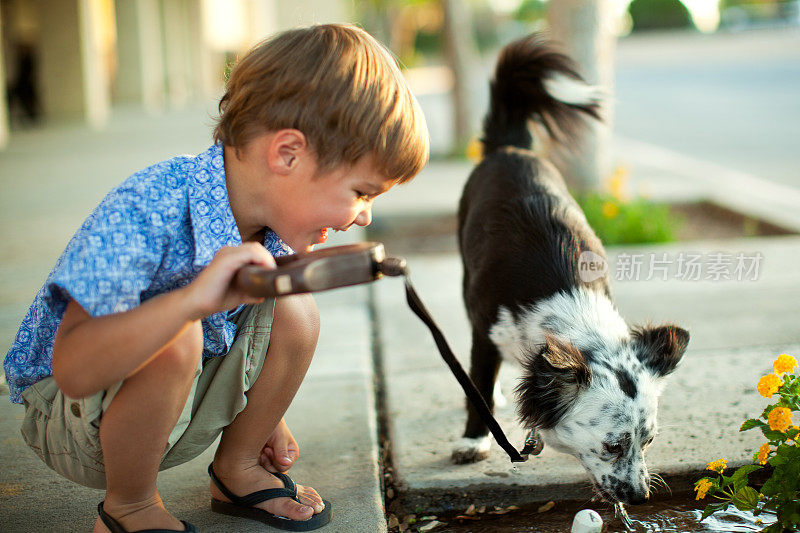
(484, 365)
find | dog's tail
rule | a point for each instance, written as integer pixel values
(533, 81)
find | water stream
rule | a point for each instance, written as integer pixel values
(675, 515)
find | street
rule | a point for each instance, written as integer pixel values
(730, 99)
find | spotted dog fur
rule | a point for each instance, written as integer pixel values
(589, 382)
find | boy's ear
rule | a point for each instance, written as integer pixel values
(286, 148)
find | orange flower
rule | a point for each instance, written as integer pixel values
(701, 488)
(763, 454)
(768, 385)
(779, 418)
(784, 363)
(717, 466)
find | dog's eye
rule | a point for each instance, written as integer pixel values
(648, 443)
(612, 449)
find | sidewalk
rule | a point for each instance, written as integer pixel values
(51, 179)
(737, 327)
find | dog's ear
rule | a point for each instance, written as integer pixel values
(552, 378)
(660, 348)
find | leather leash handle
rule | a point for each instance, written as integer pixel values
(270, 283)
(328, 268)
(473, 395)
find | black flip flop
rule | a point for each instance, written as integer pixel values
(242, 506)
(116, 527)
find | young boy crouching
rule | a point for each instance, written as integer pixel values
(138, 352)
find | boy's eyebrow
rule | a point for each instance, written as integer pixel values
(375, 189)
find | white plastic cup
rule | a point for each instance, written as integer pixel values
(587, 521)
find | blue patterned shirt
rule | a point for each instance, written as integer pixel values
(152, 234)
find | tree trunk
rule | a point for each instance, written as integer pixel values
(459, 53)
(585, 29)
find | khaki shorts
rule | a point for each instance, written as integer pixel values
(65, 433)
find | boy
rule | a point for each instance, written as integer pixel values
(137, 352)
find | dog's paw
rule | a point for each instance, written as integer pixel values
(471, 450)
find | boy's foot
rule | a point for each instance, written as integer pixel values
(254, 478)
(149, 514)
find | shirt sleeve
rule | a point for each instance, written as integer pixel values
(110, 261)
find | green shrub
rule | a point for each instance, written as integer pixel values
(530, 10)
(659, 14)
(629, 222)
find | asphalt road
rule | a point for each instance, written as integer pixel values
(730, 99)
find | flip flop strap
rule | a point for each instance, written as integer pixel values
(115, 527)
(289, 490)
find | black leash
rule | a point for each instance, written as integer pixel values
(393, 266)
(341, 266)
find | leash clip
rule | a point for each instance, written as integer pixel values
(534, 444)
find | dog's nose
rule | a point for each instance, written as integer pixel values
(637, 498)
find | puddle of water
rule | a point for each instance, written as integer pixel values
(667, 516)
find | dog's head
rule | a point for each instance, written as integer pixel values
(600, 404)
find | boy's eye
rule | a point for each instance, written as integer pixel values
(362, 195)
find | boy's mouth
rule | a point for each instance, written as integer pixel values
(324, 232)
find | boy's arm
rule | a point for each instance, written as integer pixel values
(91, 354)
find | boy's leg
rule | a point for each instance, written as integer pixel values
(134, 431)
(293, 340)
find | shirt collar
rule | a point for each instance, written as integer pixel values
(213, 224)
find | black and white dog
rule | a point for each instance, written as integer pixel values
(589, 383)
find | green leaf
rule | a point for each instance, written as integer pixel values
(777, 460)
(713, 508)
(787, 452)
(739, 478)
(746, 499)
(751, 423)
(771, 434)
(744, 471)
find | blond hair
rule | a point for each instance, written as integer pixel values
(337, 85)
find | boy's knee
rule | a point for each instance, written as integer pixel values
(183, 353)
(296, 323)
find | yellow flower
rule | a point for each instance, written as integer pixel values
(618, 184)
(701, 488)
(784, 363)
(779, 418)
(768, 385)
(610, 209)
(717, 466)
(474, 150)
(763, 454)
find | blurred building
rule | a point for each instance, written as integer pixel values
(75, 59)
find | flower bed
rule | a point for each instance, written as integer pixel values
(780, 494)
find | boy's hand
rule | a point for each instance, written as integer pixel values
(212, 291)
(281, 450)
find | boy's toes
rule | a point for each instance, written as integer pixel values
(289, 508)
(309, 496)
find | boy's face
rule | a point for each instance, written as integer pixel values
(317, 202)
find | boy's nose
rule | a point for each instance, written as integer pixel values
(364, 217)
